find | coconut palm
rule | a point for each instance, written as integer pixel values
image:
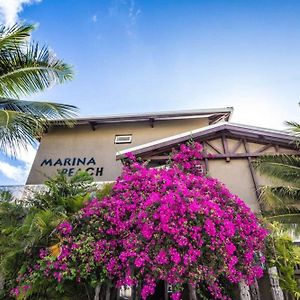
(25, 68)
(282, 200)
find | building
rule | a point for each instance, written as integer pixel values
(92, 143)
(98, 144)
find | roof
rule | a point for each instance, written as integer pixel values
(213, 114)
(233, 129)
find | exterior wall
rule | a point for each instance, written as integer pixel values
(236, 173)
(82, 142)
(237, 177)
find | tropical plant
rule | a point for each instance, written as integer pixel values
(285, 255)
(171, 223)
(282, 199)
(25, 68)
(28, 226)
(281, 203)
(11, 217)
(6, 196)
(294, 127)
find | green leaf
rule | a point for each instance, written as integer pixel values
(15, 36)
(30, 71)
(282, 167)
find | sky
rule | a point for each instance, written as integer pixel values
(133, 56)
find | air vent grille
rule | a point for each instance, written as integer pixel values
(123, 139)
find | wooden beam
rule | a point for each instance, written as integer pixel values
(237, 146)
(151, 120)
(157, 157)
(93, 125)
(205, 159)
(264, 148)
(213, 147)
(217, 156)
(253, 176)
(225, 147)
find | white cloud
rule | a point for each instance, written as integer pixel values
(18, 174)
(95, 18)
(26, 156)
(9, 10)
(133, 13)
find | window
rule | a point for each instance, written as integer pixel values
(123, 139)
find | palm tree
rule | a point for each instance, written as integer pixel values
(25, 68)
(282, 200)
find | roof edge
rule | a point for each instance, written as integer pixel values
(164, 115)
(175, 139)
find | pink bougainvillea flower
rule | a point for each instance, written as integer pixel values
(173, 224)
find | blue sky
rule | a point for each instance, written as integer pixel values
(150, 55)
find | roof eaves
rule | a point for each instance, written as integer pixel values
(167, 115)
(204, 131)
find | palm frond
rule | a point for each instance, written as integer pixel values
(283, 167)
(289, 222)
(270, 200)
(31, 71)
(285, 217)
(280, 195)
(17, 130)
(45, 221)
(294, 126)
(41, 110)
(15, 36)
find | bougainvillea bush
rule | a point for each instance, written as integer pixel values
(171, 223)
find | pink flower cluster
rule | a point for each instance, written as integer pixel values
(64, 228)
(172, 224)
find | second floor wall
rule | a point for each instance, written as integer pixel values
(94, 149)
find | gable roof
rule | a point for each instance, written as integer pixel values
(253, 133)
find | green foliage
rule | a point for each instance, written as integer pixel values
(26, 69)
(12, 216)
(282, 167)
(281, 200)
(294, 127)
(6, 196)
(104, 191)
(282, 210)
(285, 255)
(24, 230)
(64, 194)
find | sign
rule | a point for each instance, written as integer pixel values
(70, 165)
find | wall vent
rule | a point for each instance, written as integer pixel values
(123, 139)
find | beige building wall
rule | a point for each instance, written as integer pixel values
(236, 173)
(98, 147)
(237, 177)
